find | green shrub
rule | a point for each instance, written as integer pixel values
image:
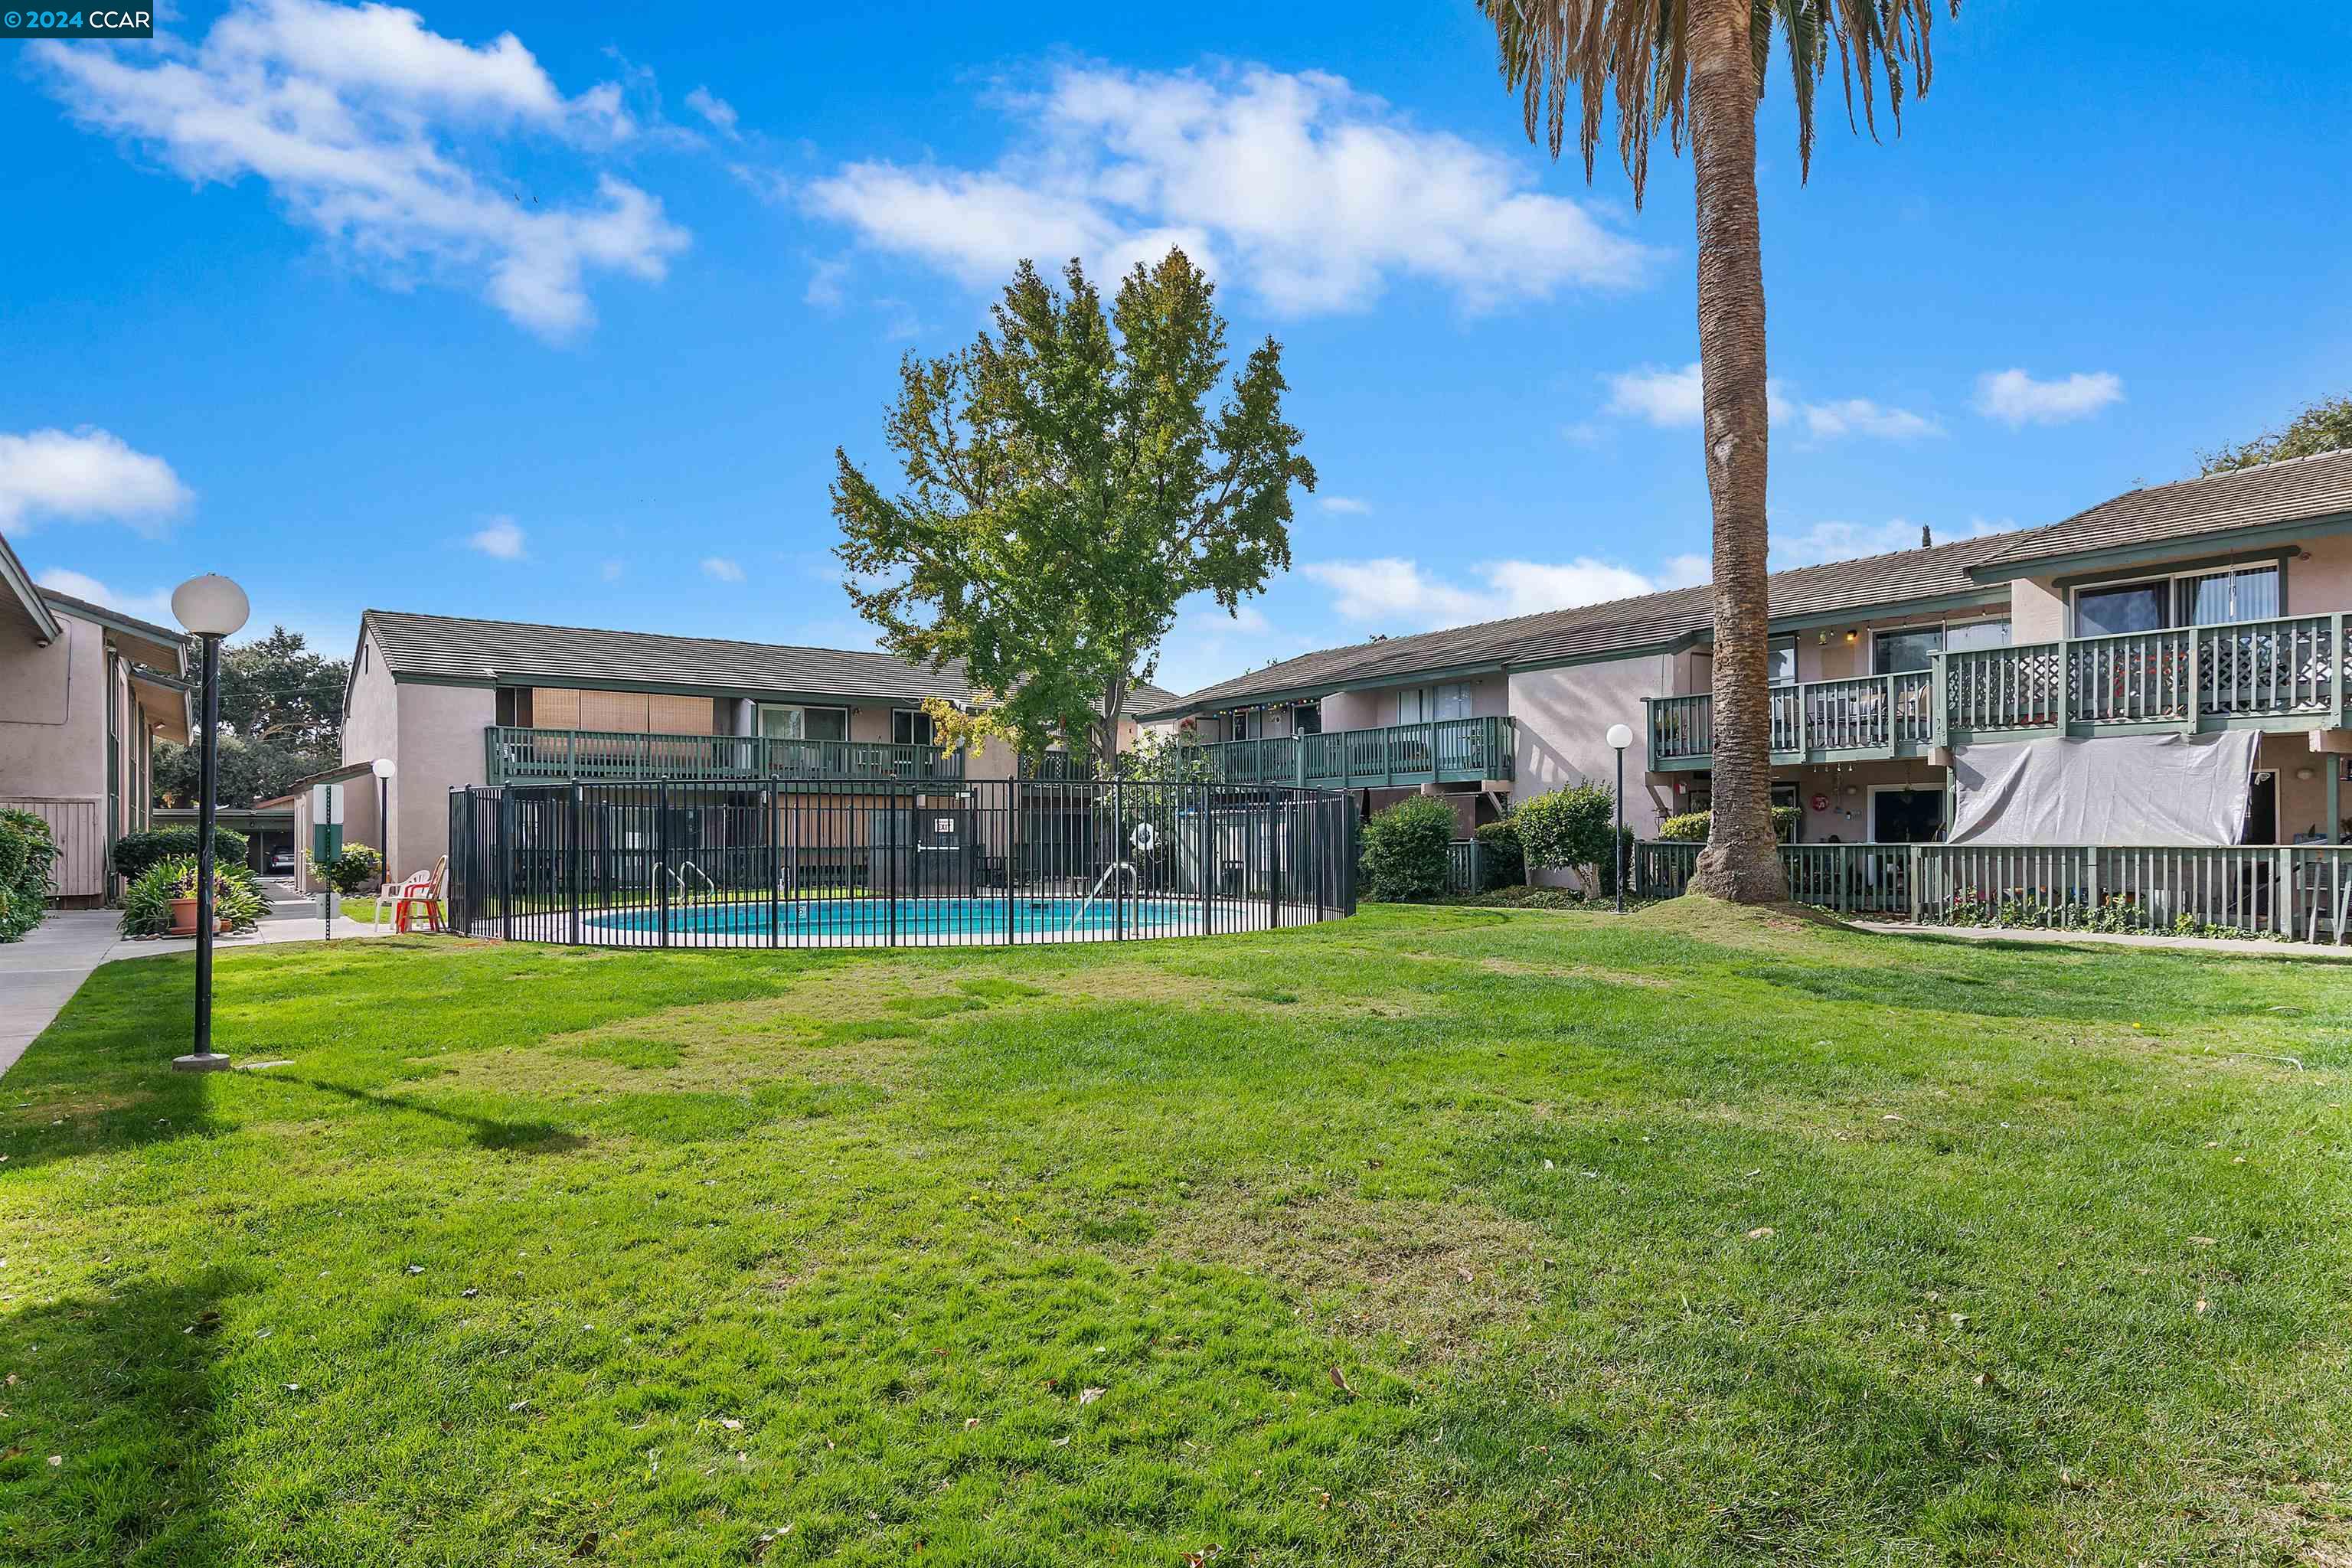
(1690, 828)
(147, 901)
(356, 867)
(1571, 829)
(134, 852)
(26, 853)
(1405, 850)
(1502, 860)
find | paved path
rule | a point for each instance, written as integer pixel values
(39, 974)
(2236, 947)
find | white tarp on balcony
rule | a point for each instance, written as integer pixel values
(2116, 789)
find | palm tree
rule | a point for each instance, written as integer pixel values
(1700, 64)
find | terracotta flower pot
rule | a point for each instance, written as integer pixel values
(184, 916)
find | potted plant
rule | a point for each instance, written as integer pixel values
(184, 901)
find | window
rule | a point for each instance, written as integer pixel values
(2219, 598)
(2127, 607)
(786, 721)
(1244, 724)
(1972, 634)
(1904, 815)
(1307, 720)
(1780, 662)
(911, 727)
(2189, 599)
(1912, 648)
(1419, 704)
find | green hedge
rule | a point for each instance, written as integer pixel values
(1502, 861)
(28, 850)
(134, 852)
(1405, 850)
(1691, 826)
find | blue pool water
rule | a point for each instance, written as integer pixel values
(973, 919)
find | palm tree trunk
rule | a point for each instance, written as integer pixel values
(1741, 861)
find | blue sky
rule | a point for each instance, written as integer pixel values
(558, 313)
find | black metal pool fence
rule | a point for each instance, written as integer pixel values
(860, 862)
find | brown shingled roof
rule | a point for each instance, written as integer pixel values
(2285, 491)
(1587, 630)
(450, 648)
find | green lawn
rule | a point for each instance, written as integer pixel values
(1439, 1236)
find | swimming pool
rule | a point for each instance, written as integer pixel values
(907, 920)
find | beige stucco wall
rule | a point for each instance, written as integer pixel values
(1564, 716)
(53, 715)
(439, 748)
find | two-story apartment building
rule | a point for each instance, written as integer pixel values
(85, 692)
(451, 702)
(2182, 646)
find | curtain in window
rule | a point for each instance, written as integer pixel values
(2219, 598)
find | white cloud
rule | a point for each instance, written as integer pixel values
(1345, 506)
(1670, 399)
(1861, 417)
(2017, 399)
(1399, 594)
(1666, 398)
(825, 291)
(375, 131)
(1834, 541)
(716, 110)
(1685, 571)
(85, 475)
(1312, 196)
(718, 569)
(155, 604)
(499, 538)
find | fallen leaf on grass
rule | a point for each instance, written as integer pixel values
(1089, 1395)
(1339, 1379)
(1760, 1232)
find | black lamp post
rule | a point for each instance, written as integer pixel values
(212, 607)
(1619, 737)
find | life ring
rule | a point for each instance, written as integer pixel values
(1144, 836)
(1821, 803)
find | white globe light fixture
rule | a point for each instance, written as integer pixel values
(211, 607)
(1619, 737)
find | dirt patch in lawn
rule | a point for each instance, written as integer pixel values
(1433, 1277)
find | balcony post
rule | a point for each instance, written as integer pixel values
(1939, 714)
(1886, 715)
(2062, 687)
(2190, 702)
(2336, 669)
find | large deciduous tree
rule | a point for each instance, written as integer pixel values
(2323, 426)
(281, 719)
(1698, 67)
(1070, 479)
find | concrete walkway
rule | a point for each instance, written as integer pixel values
(2234, 947)
(39, 974)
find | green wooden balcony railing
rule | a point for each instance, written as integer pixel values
(2279, 674)
(516, 756)
(1819, 720)
(1440, 751)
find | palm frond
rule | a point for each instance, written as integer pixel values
(1551, 51)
